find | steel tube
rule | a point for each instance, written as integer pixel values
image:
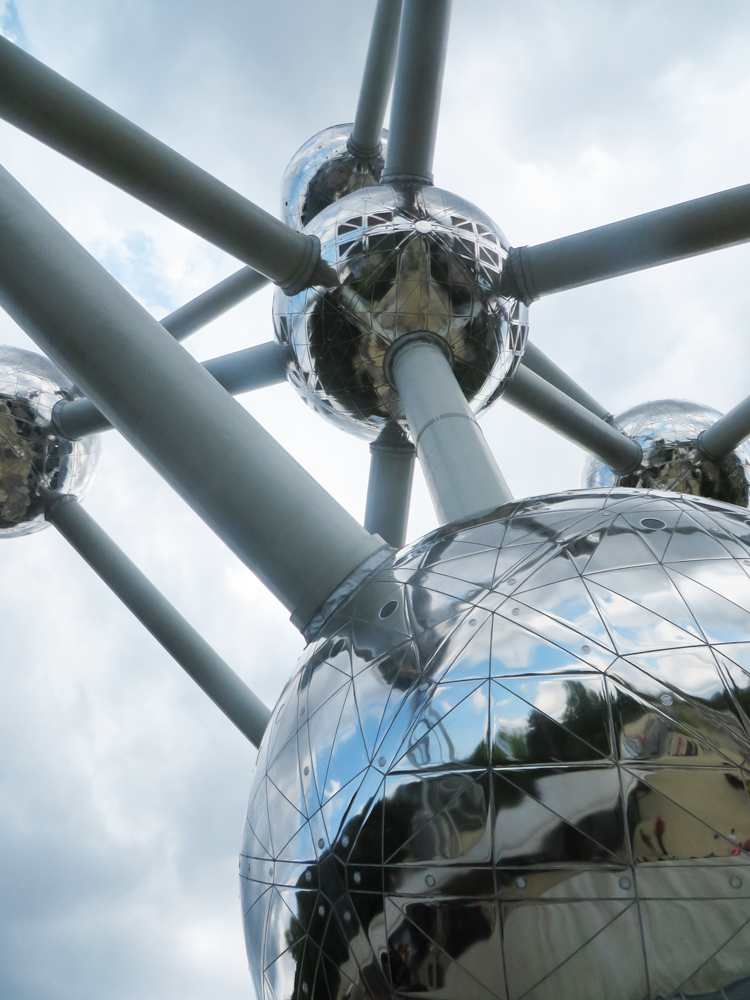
(541, 365)
(243, 371)
(461, 472)
(669, 234)
(420, 65)
(377, 80)
(222, 685)
(389, 487)
(214, 302)
(529, 392)
(727, 433)
(47, 106)
(297, 539)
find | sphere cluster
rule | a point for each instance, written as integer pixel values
(323, 171)
(408, 259)
(514, 764)
(667, 431)
(32, 453)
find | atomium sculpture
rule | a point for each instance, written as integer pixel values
(513, 760)
(669, 433)
(408, 259)
(323, 170)
(33, 455)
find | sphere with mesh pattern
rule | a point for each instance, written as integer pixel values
(32, 453)
(323, 171)
(514, 763)
(667, 431)
(407, 259)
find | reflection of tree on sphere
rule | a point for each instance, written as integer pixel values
(408, 259)
(322, 171)
(32, 453)
(667, 431)
(505, 716)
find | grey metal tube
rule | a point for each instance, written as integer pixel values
(541, 365)
(243, 371)
(389, 487)
(727, 433)
(461, 472)
(420, 65)
(254, 368)
(684, 230)
(529, 392)
(222, 685)
(377, 80)
(297, 539)
(214, 302)
(47, 106)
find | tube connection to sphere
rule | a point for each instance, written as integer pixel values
(461, 472)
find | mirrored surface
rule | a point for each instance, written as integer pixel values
(667, 431)
(32, 454)
(515, 764)
(407, 259)
(322, 171)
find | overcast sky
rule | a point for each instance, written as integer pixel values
(122, 789)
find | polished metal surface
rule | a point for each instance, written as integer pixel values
(323, 171)
(667, 431)
(408, 259)
(514, 764)
(32, 453)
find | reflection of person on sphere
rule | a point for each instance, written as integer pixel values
(659, 828)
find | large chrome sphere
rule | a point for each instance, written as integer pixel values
(322, 171)
(667, 431)
(408, 259)
(32, 454)
(515, 765)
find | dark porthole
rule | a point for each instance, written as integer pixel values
(387, 610)
(337, 647)
(652, 522)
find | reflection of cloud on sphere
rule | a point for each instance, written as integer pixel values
(323, 171)
(494, 743)
(32, 454)
(667, 431)
(408, 259)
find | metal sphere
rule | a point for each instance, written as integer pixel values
(408, 259)
(514, 765)
(32, 454)
(323, 171)
(667, 431)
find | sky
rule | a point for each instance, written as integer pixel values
(122, 788)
